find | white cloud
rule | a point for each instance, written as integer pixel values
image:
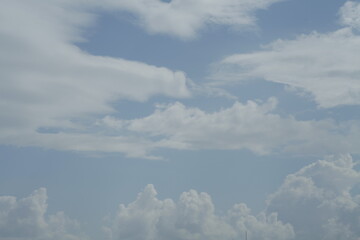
(318, 200)
(192, 217)
(253, 126)
(350, 14)
(49, 83)
(324, 65)
(51, 91)
(26, 219)
(185, 18)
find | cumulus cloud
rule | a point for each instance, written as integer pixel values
(26, 219)
(323, 65)
(318, 200)
(191, 217)
(251, 125)
(184, 18)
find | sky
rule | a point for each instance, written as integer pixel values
(179, 120)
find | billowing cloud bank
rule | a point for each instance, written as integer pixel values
(191, 217)
(319, 201)
(314, 203)
(322, 64)
(26, 219)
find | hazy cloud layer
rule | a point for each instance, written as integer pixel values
(184, 18)
(26, 219)
(253, 126)
(323, 65)
(314, 203)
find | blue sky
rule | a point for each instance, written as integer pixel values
(179, 119)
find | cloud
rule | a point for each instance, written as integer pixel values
(251, 125)
(323, 65)
(191, 217)
(52, 92)
(350, 14)
(26, 219)
(184, 18)
(318, 200)
(49, 85)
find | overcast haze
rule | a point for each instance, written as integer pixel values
(179, 120)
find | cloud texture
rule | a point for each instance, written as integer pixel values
(57, 96)
(184, 18)
(320, 201)
(324, 65)
(314, 203)
(52, 91)
(350, 14)
(26, 219)
(251, 125)
(191, 217)
(49, 83)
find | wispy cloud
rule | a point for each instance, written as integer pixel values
(350, 14)
(52, 91)
(49, 83)
(185, 19)
(57, 96)
(324, 65)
